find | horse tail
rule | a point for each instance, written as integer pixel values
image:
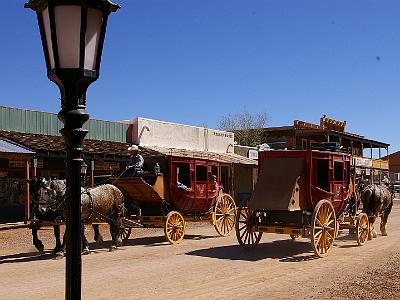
(366, 195)
(119, 202)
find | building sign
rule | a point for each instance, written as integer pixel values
(16, 164)
(363, 162)
(40, 163)
(110, 166)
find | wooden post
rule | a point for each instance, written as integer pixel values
(34, 170)
(27, 198)
(92, 173)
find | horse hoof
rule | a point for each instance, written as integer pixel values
(99, 241)
(40, 249)
(383, 231)
(112, 248)
(85, 251)
(119, 242)
(59, 255)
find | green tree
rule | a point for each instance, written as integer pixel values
(247, 127)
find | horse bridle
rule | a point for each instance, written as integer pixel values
(54, 202)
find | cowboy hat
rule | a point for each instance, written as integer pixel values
(133, 148)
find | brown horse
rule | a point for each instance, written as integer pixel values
(377, 201)
(101, 204)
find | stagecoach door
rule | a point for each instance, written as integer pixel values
(339, 180)
(200, 186)
(226, 178)
(203, 186)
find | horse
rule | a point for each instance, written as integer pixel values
(101, 204)
(377, 201)
(42, 213)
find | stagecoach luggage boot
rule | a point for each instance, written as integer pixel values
(281, 186)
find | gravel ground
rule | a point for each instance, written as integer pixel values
(381, 281)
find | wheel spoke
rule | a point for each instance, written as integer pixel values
(244, 232)
(247, 238)
(317, 233)
(244, 226)
(329, 216)
(330, 222)
(318, 238)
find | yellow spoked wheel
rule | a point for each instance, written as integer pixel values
(324, 228)
(245, 227)
(225, 214)
(362, 229)
(174, 227)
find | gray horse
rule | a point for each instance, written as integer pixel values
(101, 204)
(377, 201)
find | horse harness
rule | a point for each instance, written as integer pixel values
(91, 205)
(92, 210)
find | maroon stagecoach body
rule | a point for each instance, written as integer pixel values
(305, 177)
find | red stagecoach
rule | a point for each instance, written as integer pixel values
(182, 191)
(304, 194)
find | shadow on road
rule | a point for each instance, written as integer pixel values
(152, 241)
(283, 250)
(26, 257)
(96, 248)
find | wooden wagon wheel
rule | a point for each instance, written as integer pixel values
(245, 225)
(124, 233)
(174, 227)
(323, 228)
(362, 229)
(225, 214)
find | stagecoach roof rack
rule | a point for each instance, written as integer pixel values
(221, 157)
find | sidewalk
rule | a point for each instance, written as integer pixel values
(7, 226)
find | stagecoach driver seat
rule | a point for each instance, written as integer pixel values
(135, 163)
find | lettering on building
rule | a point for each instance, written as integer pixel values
(16, 164)
(223, 134)
(106, 166)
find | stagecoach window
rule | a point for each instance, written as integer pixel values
(183, 173)
(322, 174)
(338, 171)
(214, 170)
(201, 173)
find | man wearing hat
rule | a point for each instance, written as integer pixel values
(215, 185)
(136, 161)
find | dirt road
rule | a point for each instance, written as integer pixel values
(205, 266)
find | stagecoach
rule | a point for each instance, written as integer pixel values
(303, 193)
(180, 190)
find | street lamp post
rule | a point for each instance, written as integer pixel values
(72, 34)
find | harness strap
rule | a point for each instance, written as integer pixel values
(91, 205)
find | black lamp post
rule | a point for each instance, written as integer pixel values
(72, 33)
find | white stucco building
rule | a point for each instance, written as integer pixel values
(147, 132)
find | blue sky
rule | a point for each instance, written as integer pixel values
(193, 62)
